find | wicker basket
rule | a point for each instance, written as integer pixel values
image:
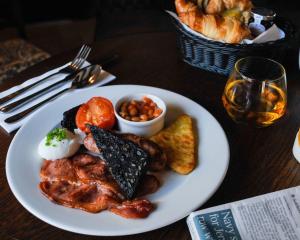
(220, 57)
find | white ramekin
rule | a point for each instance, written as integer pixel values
(145, 129)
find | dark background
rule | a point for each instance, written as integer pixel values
(56, 26)
(36, 11)
(55, 9)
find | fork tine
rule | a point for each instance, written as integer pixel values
(76, 63)
(83, 57)
(87, 53)
(81, 61)
(83, 51)
(79, 53)
(80, 58)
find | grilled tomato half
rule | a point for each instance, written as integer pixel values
(98, 111)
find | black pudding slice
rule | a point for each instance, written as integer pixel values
(126, 161)
(69, 116)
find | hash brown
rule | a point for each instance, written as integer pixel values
(178, 141)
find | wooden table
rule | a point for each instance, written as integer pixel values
(261, 159)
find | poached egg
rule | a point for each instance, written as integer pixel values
(59, 143)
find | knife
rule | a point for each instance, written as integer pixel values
(17, 104)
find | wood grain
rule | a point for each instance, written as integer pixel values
(261, 159)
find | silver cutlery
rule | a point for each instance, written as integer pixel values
(14, 105)
(22, 101)
(74, 66)
(85, 77)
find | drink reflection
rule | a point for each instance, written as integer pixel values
(260, 99)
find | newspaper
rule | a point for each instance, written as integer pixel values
(273, 216)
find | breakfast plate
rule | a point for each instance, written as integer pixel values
(175, 199)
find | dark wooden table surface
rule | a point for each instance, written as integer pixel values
(261, 160)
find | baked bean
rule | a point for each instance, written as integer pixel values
(135, 119)
(140, 111)
(133, 112)
(157, 112)
(124, 107)
(123, 114)
(130, 106)
(147, 100)
(144, 117)
(133, 102)
(153, 104)
(150, 113)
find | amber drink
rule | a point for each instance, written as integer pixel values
(256, 92)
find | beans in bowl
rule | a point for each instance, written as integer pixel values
(139, 110)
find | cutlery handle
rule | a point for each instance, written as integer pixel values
(24, 113)
(18, 92)
(20, 102)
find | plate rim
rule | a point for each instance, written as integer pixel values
(103, 232)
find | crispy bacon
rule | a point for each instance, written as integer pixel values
(139, 208)
(87, 197)
(61, 169)
(90, 168)
(82, 160)
(85, 183)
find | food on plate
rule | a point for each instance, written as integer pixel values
(90, 144)
(139, 208)
(98, 111)
(178, 141)
(112, 172)
(210, 22)
(149, 184)
(139, 110)
(127, 162)
(69, 117)
(158, 157)
(59, 143)
(85, 182)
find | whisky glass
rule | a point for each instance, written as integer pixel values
(256, 92)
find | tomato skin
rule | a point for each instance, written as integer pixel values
(98, 111)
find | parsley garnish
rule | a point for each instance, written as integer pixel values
(58, 133)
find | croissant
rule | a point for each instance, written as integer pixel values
(219, 6)
(227, 29)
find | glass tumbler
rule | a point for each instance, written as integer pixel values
(256, 92)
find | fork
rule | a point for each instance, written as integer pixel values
(74, 66)
(16, 104)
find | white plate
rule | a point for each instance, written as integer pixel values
(176, 198)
